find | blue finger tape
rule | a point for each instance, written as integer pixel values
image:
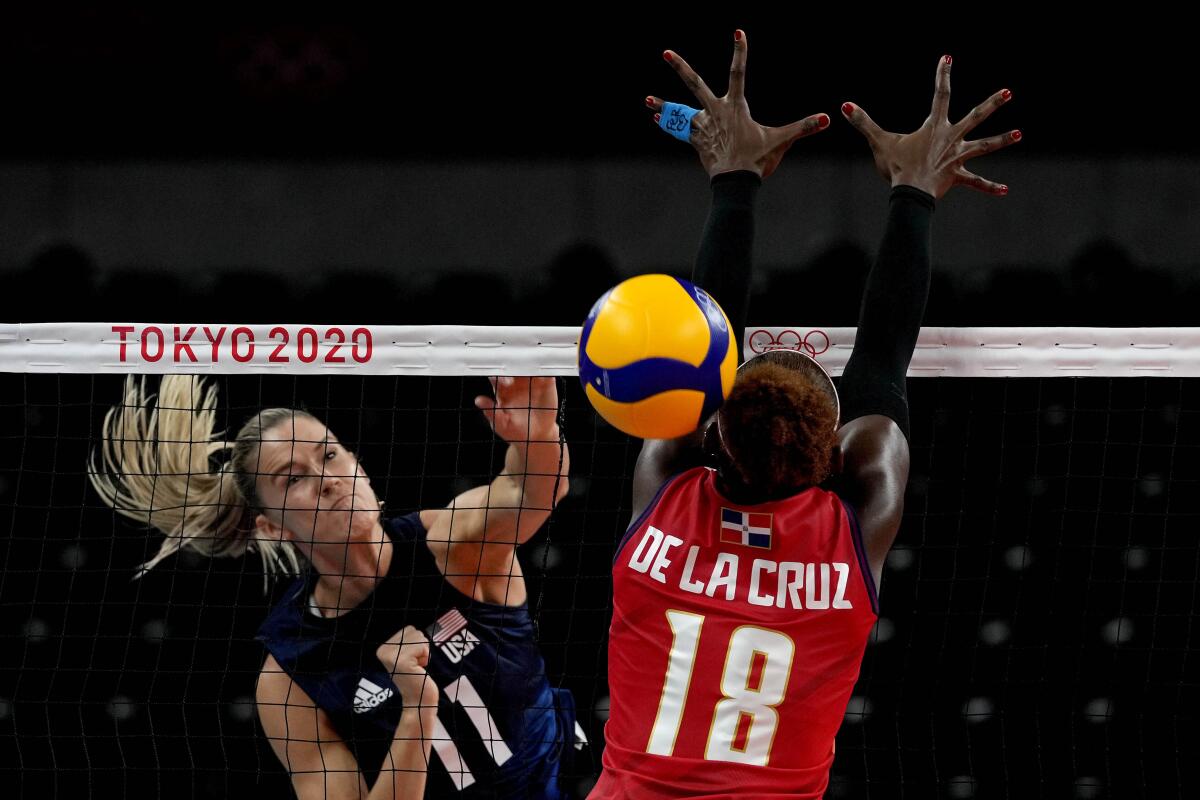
(676, 120)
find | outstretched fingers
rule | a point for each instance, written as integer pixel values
(941, 91)
(859, 118)
(489, 405)
(655, 104)
(737, 70)
(693, 81)
(964, 177)
(989, 145)
(801, 128)
(983, 111)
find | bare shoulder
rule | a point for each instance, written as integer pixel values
(431, 517)
(436, 522)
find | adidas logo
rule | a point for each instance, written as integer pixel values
(368, 696)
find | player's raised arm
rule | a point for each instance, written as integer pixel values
(920, 167)
(475, 537)
(738, 153)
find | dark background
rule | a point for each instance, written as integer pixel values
(312, 83)
(404, 168)
(500, 167)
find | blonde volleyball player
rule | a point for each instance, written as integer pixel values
(403, 639)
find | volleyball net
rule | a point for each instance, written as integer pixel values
(1038, 624)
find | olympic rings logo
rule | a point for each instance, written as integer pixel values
(814, 342)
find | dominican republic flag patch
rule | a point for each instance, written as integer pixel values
(741, 527)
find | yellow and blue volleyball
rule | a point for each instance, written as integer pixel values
(657, 356)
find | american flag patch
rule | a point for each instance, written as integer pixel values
(742, 527)
(447, 625)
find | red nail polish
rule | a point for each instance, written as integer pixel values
(1016, 136)
(737, 36)
(847, 108)
(657, 117)
(949, 60)
(1006, 94)
(1003, 190)
(650, 101)
(823, 121)
(667, 55)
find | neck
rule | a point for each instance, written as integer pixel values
(736, 492)
(349, 572)
(741, 494)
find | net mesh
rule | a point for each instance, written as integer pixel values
(1037, 613)
(1038, 610)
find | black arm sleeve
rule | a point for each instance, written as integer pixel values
(892, 308)
(723, 270)
(723, 264)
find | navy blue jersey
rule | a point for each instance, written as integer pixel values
(502, 728)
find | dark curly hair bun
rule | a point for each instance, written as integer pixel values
(779, 424)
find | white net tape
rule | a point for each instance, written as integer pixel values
(481, 350)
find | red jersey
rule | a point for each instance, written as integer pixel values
(736, 639)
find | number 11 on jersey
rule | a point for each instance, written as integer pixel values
(754, 680)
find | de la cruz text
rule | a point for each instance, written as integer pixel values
(210, 344)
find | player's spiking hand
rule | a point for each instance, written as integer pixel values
(931, 158)
(725, 136)
(524, 409)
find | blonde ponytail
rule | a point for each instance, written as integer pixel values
(156, 466)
